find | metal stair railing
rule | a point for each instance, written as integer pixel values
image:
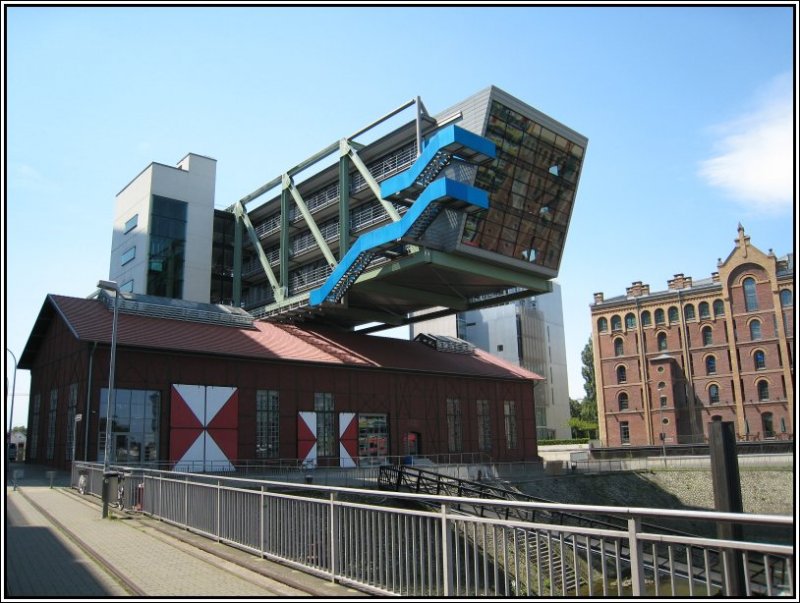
(352, 265)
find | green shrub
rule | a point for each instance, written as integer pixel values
(555, 442)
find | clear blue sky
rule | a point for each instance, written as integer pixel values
(688, 111)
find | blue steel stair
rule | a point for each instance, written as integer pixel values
(419, 182)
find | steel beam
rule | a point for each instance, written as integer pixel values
(312, 226)
(237, 255)
(284, 239)
(373, 184)
(344, 198)
(262, 257)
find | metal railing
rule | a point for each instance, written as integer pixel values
(398, 544)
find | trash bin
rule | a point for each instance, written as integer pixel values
(139, 497)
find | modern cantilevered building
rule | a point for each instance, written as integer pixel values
(455, 211)
(446, 213)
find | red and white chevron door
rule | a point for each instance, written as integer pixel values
(204, 427)
(307, 438)
(348, 439)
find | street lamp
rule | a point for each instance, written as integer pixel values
(110, 286)
(11, 413)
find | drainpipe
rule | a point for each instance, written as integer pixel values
(88, 403)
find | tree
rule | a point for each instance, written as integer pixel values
(589, 384)
(584, 414)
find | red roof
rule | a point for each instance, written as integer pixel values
(91, 320)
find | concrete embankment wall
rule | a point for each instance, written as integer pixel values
(769, 489)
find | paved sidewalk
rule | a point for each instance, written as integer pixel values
(132, 556)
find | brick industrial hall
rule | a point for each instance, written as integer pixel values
(202, 388)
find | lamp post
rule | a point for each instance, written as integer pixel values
(11, 413)
(75, 422)
(109, 286)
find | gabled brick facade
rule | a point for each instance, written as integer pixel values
(669, 362)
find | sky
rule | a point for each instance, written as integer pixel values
(689, 112)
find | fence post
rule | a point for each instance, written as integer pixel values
(447, 543)
(334, 531)
(728, 498)
(635, 548)
(261, 525)
(219, 508)
(186, 502)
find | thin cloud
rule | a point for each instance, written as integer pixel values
(26, 177)
(755, 159)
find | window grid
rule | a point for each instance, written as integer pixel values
(51, 425)
(267, 424)
(750, 297)
(72, 405)
(326, 438)
(33, 450)
(484, 426)
(454, 434)
(510, 415)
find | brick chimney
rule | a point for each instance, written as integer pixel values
(637, 289)
(680, 282)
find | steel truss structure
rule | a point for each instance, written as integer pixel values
(443, 214)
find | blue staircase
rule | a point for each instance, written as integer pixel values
(429, 194)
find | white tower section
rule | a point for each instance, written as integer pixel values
(192, 182)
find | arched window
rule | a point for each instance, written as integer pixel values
(688, 312)
(708, 337)
(763, 390)
(766, 425)
(703, 307)
(659, 317)
(759, 360)
(646, 321)
(619, 348)
(750, 297)
(622, 374)
(602, 325)
(713, 394)
(673, 314)
(630, 320)
(786, 298)
(616, 323)
(662, 341)
(711, 365)
(755, 330)
(623, 401)
(719, 308)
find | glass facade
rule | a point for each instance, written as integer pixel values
(134, 426)
(222, 258)
(167, 247)
(373, 435)
(532, 186)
